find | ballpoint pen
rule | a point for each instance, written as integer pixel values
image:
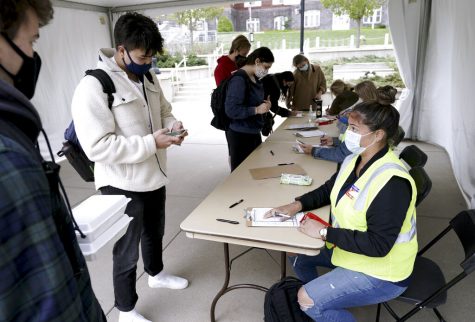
(228, 221)
(236, 203)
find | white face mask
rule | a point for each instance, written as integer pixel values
(304, 68)
(260, 72)
(353, 140)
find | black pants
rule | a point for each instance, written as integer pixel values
(147, 228)
(240, 145)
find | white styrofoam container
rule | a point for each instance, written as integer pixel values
(97, 213)
(114, 232)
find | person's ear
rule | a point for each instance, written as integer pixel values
(257, 61)
(380, 135)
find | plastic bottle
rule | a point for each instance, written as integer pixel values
(311, 115)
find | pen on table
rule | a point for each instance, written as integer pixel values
(271, 152)
(285, 163)
(228, 221)
(236, 203)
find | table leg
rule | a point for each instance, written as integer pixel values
(226, 281)
(283, 265)
(226, 288)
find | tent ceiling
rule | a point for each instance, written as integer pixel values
(129, 5)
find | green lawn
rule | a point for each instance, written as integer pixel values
(328, 38)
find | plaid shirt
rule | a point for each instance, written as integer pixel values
(36, 277)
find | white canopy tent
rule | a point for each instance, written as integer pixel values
(432, 40)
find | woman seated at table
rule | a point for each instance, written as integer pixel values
(372, 243)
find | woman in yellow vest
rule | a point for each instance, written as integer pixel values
(372, 243)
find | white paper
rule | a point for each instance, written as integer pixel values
(301, 126)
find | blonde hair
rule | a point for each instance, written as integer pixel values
(366, 91)
(240, 42)
(339, 86)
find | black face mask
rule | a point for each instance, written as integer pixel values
(25, 79)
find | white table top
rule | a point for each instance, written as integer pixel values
(202, 224)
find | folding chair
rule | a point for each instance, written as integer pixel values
(423, 183)
(428, 288)
(413, 156)
(399, 137)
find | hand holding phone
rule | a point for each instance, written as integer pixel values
(178, 133)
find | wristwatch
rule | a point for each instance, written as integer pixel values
(323, 233)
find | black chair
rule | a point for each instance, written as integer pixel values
(413, 156)
(422, 181)
(428, 288)
(399, 137)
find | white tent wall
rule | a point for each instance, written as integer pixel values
(404, 19)
(68, 46)
(447, 111)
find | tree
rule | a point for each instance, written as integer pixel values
(224, 24)
(356, 9)
(190, 18)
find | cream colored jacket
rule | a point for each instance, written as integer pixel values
(120, 140)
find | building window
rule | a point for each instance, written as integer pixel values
(375, 18)
(312, 18)
(279, 23)
(253, 25)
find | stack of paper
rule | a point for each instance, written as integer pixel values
(303, 126)
(309, 134)
(101, 218)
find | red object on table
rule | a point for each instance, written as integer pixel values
(312, 216)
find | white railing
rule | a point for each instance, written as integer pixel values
(175, 75)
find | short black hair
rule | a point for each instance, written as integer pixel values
(136, 31)
(287, 76)
(263, 53)
(12, 14)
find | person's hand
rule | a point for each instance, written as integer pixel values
(318, 96)
(163, 141)
(294, 113)
(326, 140)
(311, 228)
(289, 210)
(307, 148)
(264, 107)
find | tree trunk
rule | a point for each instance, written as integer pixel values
(191, 35)
(358, 32)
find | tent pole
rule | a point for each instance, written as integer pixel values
(302, 20)
(111, 27)
(77, 5)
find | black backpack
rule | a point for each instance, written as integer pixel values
(280, 303)
(72, 149)
(218, 98)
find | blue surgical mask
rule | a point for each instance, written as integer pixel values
(135, 68)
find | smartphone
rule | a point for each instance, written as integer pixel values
(177, 133)
(300, 142)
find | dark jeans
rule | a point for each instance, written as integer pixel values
(240, 145)
(147, 228)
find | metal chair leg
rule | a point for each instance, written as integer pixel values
(441, 318)
(378, 312)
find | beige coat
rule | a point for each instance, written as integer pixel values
(120, 139)
(306, 86)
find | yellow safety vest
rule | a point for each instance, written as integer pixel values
(350, 213)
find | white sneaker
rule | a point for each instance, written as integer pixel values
(165, 280)
(131, 316)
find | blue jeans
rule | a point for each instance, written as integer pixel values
(341, 288)
(305, 267)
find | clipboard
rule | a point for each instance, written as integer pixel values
(276, 171)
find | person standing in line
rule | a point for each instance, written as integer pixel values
(245, 104)
(128, 145)
(43, 274)
(309, 84)
(227, 64)
(277, 86)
